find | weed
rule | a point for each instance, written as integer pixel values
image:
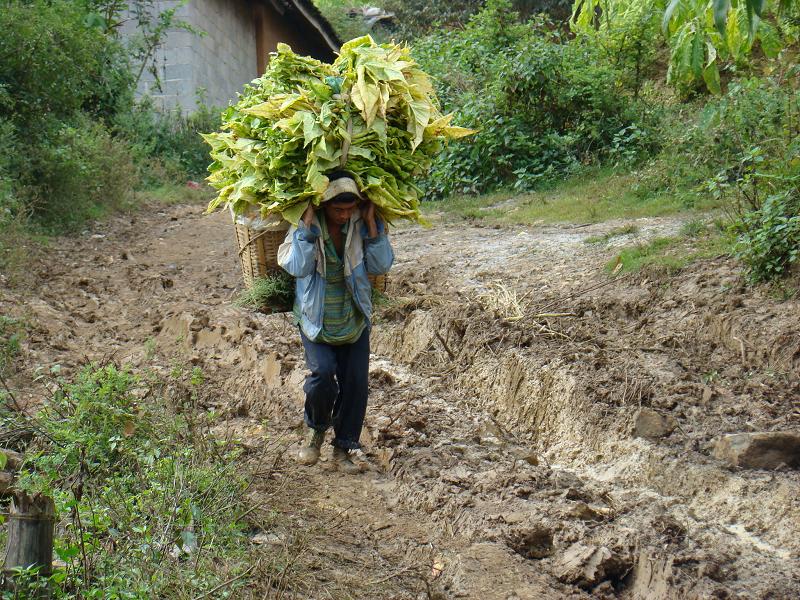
(149, 349)
(693, 228)
(273, 293)
(672, 253)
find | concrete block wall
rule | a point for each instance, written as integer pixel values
(225, 58)
(219, 62)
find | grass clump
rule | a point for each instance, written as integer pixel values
(148, 505)
(272, 293)
(672, 253)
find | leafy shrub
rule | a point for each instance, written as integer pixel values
(624, 36)
(52, 64)
(73, 144)
(769, 238)
(167, 145)
(703, 37)
(9, 206)
(140, 488)
(76, 172)
(420, 17)
(743, 151)
(58, 162)
(417, 18)
(544, 106)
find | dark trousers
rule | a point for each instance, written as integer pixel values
(336, 389)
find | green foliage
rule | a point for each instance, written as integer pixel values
(269, 294)
(753, 134)
(73, 144)
(65, 68)
(544, 106)
(12, 332)
(704, 36)
(56, 95)
(167, 146)
(769, 238)
(77, 172)
(337, 13)
(147, 502)
(417, 18)
(623, 34)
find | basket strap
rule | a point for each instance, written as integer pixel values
(346, 143)
(252, 239)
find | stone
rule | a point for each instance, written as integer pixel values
(651, 425)
(760, 450)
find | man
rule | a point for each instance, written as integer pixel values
(330, 252)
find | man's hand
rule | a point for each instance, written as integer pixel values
(368, 213)
(308, 216)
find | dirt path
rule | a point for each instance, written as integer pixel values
(507, 454)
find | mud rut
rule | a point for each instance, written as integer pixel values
(504, 457)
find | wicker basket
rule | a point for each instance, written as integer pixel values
(258, 250)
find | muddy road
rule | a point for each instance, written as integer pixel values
(537, 428)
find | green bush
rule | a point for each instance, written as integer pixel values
(73, 143)
(769, 238)
(544, 105)
(76, 172)
(750, 145)
(59, 164)
(9, 204)
(167, 145)
(53, 65)
(147, 502)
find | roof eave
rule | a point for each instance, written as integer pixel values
(317, 21)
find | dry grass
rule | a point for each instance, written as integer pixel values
(504, 302)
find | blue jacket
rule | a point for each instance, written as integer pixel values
(302, 255)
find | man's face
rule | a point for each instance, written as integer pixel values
(340, 212)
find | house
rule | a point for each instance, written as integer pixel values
(233, 48)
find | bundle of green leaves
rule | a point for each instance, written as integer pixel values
(372, 112)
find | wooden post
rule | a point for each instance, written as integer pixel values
(31, 523)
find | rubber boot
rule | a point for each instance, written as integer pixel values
(344, 462)
(309, 453)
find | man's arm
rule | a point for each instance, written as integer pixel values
(297, 254)
(378, 253)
